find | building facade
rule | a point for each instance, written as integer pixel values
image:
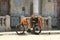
(17, 8)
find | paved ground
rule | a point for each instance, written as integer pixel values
(31, 37)
(55, 35)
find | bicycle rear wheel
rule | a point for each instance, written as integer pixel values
(37, 30)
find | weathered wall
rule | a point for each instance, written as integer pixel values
(27, 7)
(4, 7)
(16, 10)
(50, 9)
(47, 8)
(36, 7)
(15, 7)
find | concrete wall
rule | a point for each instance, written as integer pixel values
(36, 7)
(4, 8)
(50, 9)
(16, 7)
(5, 23)
(27, 7)
(47, 8)
(16, 10)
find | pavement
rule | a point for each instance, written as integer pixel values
(44, 35)
(30, 37)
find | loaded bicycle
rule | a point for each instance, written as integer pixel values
(35, 25)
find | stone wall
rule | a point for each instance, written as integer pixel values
(36, 7)
(47, 8)
(16, 10)
(50, 9)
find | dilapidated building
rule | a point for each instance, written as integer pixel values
(16, 8)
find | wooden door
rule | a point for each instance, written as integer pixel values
(4, 7)
(58, 14)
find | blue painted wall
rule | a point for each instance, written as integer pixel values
(16, 10)
(50, 9)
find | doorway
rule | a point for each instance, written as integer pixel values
(58, 14)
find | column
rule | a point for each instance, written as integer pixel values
(36, 7)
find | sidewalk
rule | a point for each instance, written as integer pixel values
(42, 32)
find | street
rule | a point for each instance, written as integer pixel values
(43, 36)
(31, 37)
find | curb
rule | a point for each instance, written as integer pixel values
(42, 32)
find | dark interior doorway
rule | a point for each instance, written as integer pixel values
(4, 7)
(58, 14)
